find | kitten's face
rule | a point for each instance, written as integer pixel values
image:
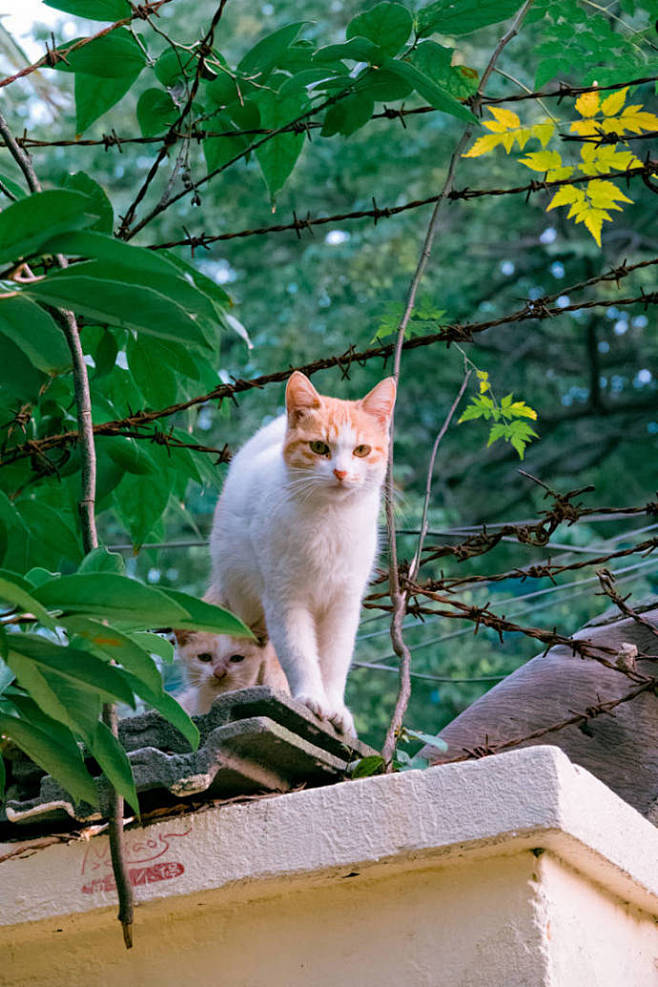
(219, 662)
(339, 447)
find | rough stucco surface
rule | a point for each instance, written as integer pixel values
(421, 878)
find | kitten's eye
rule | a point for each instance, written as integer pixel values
(236, 658)
(204, 656)
(320, 448)
(362, 451)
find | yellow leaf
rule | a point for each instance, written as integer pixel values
(542, 160)
(482, 374)
(594, 221)
(523, 410)
(605, 195)
(599, 160)
(614, 103)
(543, 132)
(505, 117)
(557, 174)
(483, 145)
(523, 136)
(508, 140)
(484, 386)
(588, 104)
(586, 127)
(565, 195)
(635, 120)
(494, 126)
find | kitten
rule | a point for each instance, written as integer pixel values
(216, 663)
(295, 534)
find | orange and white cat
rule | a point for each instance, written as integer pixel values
(217, 663)
(294, 537)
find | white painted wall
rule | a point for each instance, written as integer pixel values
(425, 878)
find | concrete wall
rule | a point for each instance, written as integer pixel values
(515, 871)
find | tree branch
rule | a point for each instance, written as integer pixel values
(398, 596)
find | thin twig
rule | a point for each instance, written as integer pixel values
(398, 596)
(415, 564)
(125, 892)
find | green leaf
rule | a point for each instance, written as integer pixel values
(155, 112)
(13, 591)
(105, 354)
(367, 766)
(94, 96)
(277, 157)
(381, 85)
(140, 503)
(80, 668)
(75, 707)
(14, 187)
(356, 49)
(202, 616)
(3, 778)
(19, 378)
(37, 576)
(155, 379)
(63, 762)
(27, 224)
(36, 333)
(171, 66)
(100, 560)
(457, 17)
(6, 674)
(126, 453)
(114, 763)
(155, 644)
(93, 10)
(349, 114)
(117, 303)
(435, 62)
(427, 738)
(264, 55)
(387, 25)
(119, 646)
(218, 150)
(425, 87)
(110, 595)
(114, 56)
(81, 182)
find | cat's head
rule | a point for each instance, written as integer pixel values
(219, 662)
(338, 447)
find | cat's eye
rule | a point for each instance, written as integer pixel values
(204, 656)
(362, 451)
(320, 448)
(236, 658)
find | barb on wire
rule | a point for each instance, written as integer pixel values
(385, 212)
(55, 55)
(607, 581)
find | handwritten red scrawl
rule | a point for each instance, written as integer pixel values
(141, 850)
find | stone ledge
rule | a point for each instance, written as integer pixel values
(528, 799)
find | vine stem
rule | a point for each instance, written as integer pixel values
(87, 511)
(399, 597)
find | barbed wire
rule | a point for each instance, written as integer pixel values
(112, 139)
(55, 55)
(386, 212)
(536, 309)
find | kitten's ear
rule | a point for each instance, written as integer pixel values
(182, 636)
(259, 629)
(380, 400)
(301, 396)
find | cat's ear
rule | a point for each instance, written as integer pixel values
(301, 396)
(380, 400)
(182, 636)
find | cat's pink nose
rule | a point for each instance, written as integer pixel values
(340, 474)
(219, 673)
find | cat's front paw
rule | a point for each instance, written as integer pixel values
(317, 705)
(342, 720)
